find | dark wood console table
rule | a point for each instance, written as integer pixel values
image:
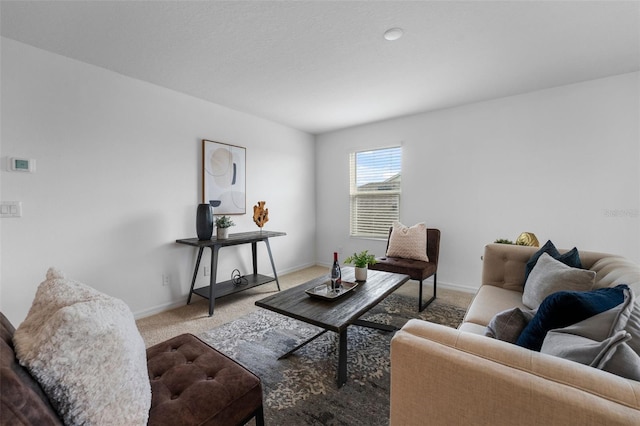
(214, 289)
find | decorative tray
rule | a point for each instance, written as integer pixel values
(323, 292)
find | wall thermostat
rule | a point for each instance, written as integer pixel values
(22, 165)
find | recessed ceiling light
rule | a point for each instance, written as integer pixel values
(393, 34)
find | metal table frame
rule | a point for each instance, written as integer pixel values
(216, 290)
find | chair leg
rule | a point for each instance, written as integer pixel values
(259, 416)
(422, 306)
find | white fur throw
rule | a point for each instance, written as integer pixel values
(85, 350)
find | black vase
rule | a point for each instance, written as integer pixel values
(204, 222)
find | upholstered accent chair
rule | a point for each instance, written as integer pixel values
(416, 269)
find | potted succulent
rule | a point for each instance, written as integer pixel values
(223, 223)
(361, 261)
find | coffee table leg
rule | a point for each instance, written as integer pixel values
(302, 344)
(342, 358)
(375, 325)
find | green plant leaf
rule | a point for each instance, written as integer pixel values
(362, 259)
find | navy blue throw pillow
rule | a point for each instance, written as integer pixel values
(564, 308)
(570, 258)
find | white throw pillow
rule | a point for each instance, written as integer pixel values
(408, 243)
(550, 276)
(85, 350)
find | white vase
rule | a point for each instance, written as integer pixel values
(361, 273)
(222, 233)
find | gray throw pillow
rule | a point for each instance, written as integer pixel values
(633, 327)
(581, 349)
(622, 361)
(600, 341)
(612, 354)
(550, 276)
(507, 325)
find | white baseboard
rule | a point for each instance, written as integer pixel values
(458, 287)
(297, 268)
(160, 308)
(182, 300)
(450, 286)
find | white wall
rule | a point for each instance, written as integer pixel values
(562, 163)
(119, 178)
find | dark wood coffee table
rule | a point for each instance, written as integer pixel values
(336, 315)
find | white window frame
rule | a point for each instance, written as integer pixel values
(375, 203)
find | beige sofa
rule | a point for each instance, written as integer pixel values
(442, 376)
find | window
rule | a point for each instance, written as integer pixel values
(375, 191)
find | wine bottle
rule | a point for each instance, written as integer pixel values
(336, 275)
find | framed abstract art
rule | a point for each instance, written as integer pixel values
(224, 177)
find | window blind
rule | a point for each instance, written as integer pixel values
(375, 178)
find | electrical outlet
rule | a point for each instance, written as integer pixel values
(166, 280)
(207, 271)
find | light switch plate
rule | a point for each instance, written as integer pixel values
(11, 209)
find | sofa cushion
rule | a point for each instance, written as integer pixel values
(490, 300)
(600, 341)
(470, 327)
(613, 270)
(570, 258)
(408, 242)
(84, 349)
(565, 308)
(549, 276)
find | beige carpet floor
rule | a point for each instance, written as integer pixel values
(195, 319)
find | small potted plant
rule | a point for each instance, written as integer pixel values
(503, 241)
(361, 261)
(223, 223)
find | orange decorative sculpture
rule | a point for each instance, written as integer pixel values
(260, 214)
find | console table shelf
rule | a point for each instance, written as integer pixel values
(219, 289)
(226, 288)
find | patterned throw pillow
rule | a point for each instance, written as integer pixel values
(408, 242)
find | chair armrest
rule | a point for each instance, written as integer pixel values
(451, 377)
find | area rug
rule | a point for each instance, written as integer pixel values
(301, 389)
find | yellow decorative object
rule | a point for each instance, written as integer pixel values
(260, 214)
(527, 239)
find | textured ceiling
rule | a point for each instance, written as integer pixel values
(323, 65)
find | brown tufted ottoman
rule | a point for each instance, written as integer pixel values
(193, 384)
